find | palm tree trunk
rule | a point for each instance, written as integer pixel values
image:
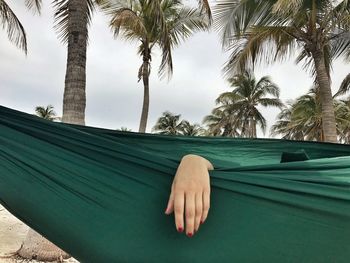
(145, 79)
(328, 116)
(251, 132)
(36, 246)
(74, 98)
(254, 128)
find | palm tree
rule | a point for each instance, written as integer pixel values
(271, 30)
(302, 119)
(169, 124)
(13, 26)
(72, 20)
(161, 23)
(47, 113)
(221, 122)
(286, 127)
(189, 129)
(124, 129)
(242, 102)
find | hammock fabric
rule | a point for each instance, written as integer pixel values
(101, 194)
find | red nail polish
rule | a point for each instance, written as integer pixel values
(201, 222)
(180, 229)
(189, 234)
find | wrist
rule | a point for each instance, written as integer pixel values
(198, 159)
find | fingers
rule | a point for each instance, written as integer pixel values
(206, 205)
(199, 211)
(179, 203)
(190, 207)
(190, 213)
(194, 205)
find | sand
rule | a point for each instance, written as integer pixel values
(12, 233)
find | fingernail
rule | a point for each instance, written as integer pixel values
(180, 229)
(201, 222)
(189, 234)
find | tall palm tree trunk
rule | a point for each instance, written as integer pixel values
(251, 128)
(74, 98)
(254, 129)
(145, 79)
(328, 116)
(36, 246)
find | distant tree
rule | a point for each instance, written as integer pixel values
(47, 113)
(124, 129)
(302, 119)
(221, 122)
(285, 126)
(169, 124)
(240, 106)
(189, 129)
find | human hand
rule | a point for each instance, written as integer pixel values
(190, 193)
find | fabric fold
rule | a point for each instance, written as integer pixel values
(100, 194)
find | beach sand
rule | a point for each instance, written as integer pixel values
(12, 234)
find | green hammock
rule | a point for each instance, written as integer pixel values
(101, 194)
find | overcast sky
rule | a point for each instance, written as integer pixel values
(114, 97)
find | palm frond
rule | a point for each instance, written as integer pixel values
(35, 5)
(268, 102)
(259, 45)
(14, 28)
(340, 44)
(205, 7)
(184, 24)
(187, 22)
(128, 20)
(63, 8)
(287, 6)
(228, 97)
(260, 120)
(232, 18)
(265, 86)
(344, 87)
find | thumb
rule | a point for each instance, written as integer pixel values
(170, 206)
